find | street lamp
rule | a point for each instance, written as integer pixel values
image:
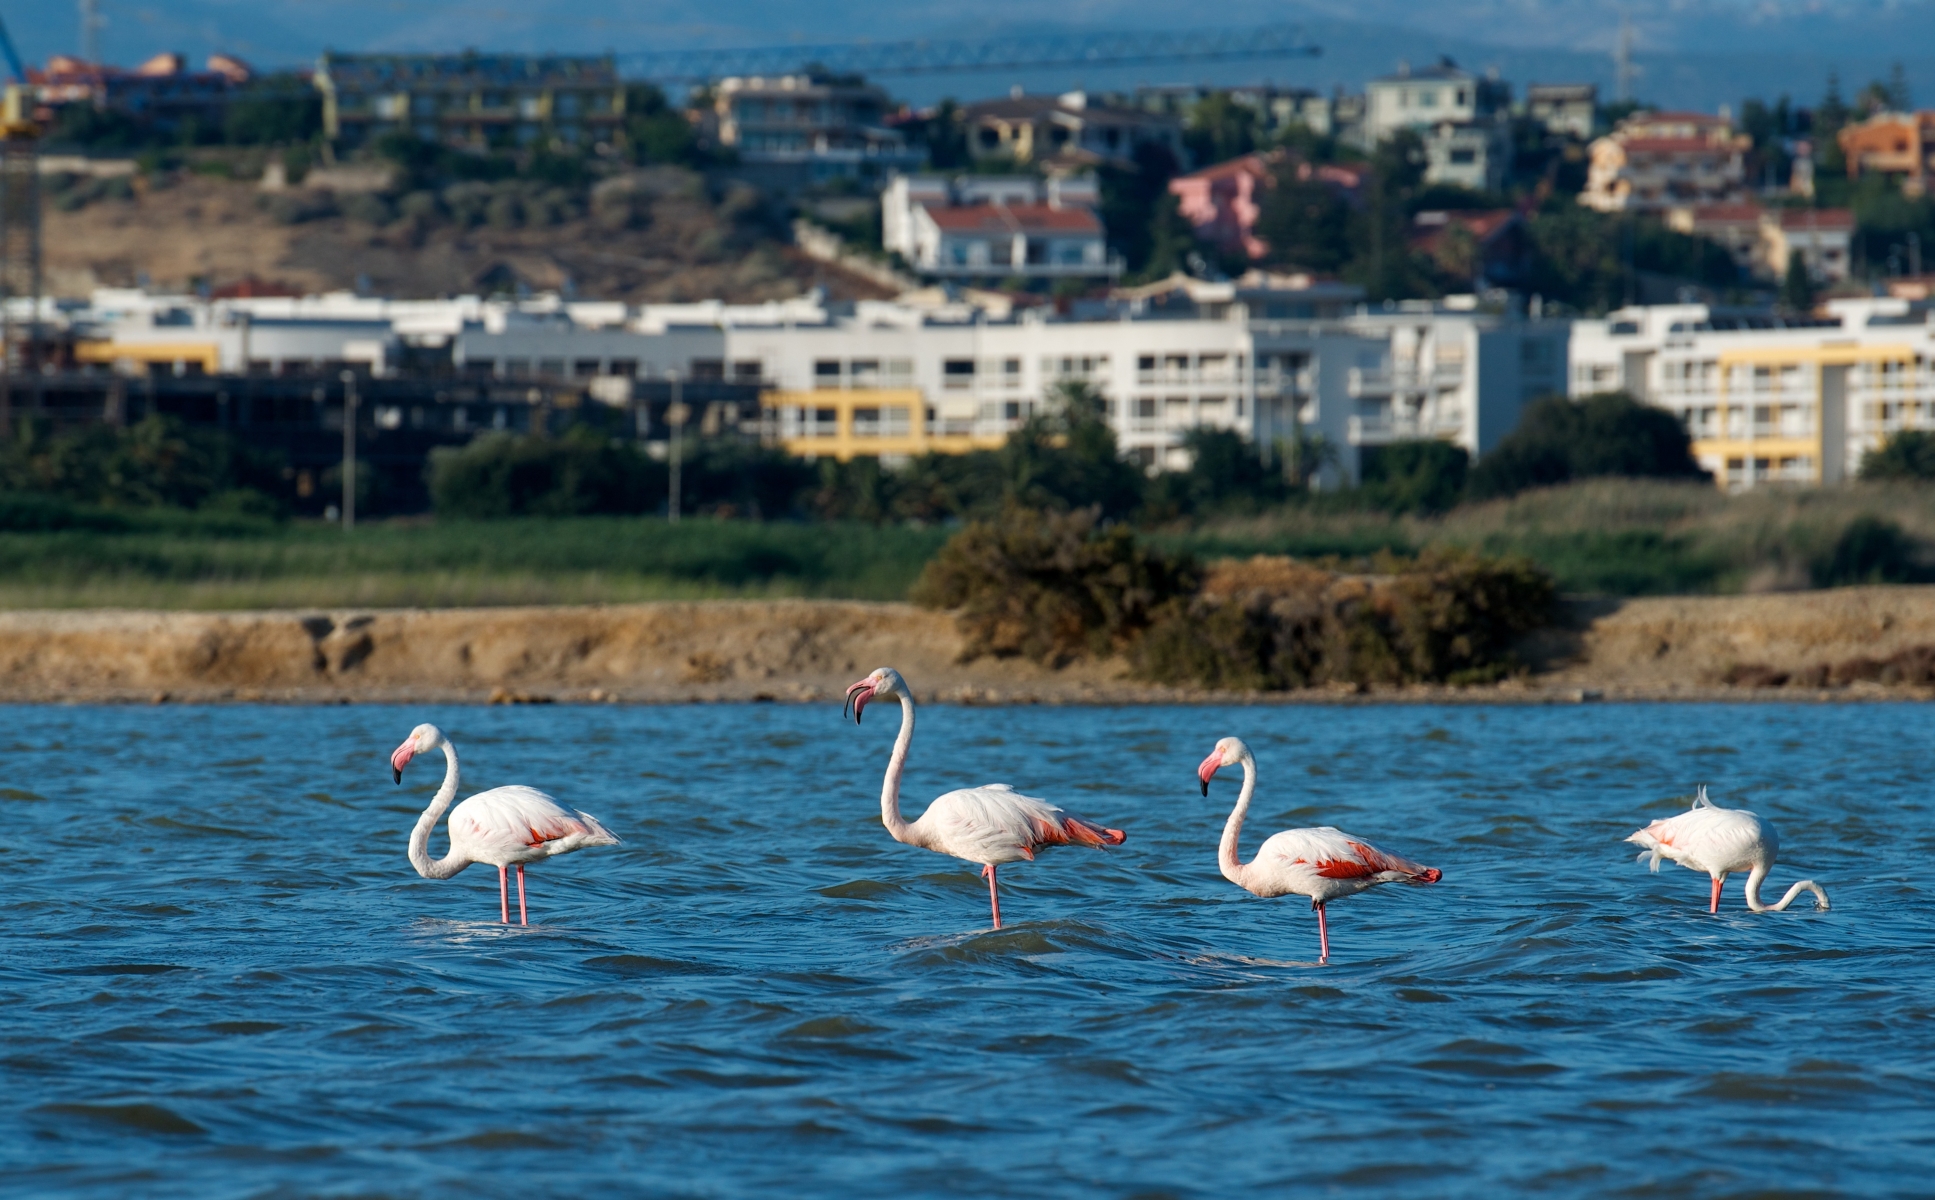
(349, 450)
(675, 415)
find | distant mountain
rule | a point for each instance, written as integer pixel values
(1692, 53)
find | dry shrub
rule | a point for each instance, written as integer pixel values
(1050, 586)
(1449, 616)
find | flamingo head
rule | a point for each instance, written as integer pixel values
(1228, 753)
(883, 684)
(422, 740)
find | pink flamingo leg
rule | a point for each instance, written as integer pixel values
(994, 897)
(503, 898)
(522, 919)
(1323, 935)
(1715, 906)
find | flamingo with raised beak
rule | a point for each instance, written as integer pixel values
(990, 824)
(502, 827)
(1721, 841)
(1324, 863)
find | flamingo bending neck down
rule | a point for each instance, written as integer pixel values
(991, 824)
(504, 826)
(1720, 841)
(1322, 863)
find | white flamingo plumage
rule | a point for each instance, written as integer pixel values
(504, 826)
(1323, 863)
(990, 825)
(1721, 841)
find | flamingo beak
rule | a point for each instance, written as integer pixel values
(401, 758)
(1208, 769)
(857, 697)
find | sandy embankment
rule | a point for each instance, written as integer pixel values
(809, 650)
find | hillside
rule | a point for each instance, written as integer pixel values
(656, 235)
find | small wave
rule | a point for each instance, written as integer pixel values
(142, 1118)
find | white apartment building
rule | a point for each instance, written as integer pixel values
(997, 226)
(1462, 118)
(1768, 401)
(1264, 357)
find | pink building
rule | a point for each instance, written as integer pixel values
(1224, 201)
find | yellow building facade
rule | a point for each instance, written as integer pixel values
(862, 423)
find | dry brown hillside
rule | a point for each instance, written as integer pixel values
(659, 235)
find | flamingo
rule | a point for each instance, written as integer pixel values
(1719, 841)
(1322, 863)
(505, 825)
(990, 824)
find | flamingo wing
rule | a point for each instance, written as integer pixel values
(517, 824)
(1706, 838)
(996, 824)
(1326, 861)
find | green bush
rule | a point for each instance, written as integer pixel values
(1415, 476)
(1448, 616)
(1558, 440)
(507, 475)
(1869, 550)
(1909, 454)
(1050, 586)
(156, 463)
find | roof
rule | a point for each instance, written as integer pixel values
(1720, 214)
(1816, 218)
(1015, 218)
(1664, 145)
(1676, 118)
(1561, 91)
(1248, 164)
(1443, 71)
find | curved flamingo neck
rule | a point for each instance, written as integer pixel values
(1226, 854)
(449, 864)
(1759, 873)
(890, 786)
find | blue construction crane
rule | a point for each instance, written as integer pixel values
(13, 56)
(934, 56)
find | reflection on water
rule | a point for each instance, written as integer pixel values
(222, 977)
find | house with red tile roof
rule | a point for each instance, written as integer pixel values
(1223, 202)
(1657, 161)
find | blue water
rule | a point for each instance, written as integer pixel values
(222, 978)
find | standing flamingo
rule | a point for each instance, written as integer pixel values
(989, 824)
(505, 825)
(1323, 863)
(1719, 841)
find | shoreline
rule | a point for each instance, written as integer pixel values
(1844, 645)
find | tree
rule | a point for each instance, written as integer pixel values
(1219, 129)
(1415, 476)
(1797, 286)
(1558, 440)
(1068, 457)
(1131, 199)
(1304, 222)
(656, 132)
(1381, 258)
(1908, 455)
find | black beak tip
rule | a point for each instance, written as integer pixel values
(1205, 787)
(398, 772)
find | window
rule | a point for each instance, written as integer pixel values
(627, 367)
(826, 373)
(746, 370)
(957, 373)
(864, 372)
(1427, 99)
(584, 366)
(1463, 156)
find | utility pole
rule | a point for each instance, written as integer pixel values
(675, 415)
(349, 450)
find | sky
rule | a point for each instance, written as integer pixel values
(1691, 53)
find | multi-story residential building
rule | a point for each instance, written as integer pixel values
(473, 100)
(1276, 108)
(1761, 239)
(1421, 99)
(1263, 356)
(813, 128)
(1657, 161)
(1770, 400)
(1066, 130)
(161, 93)
(1463, 119)
(1823, 237)
(1568, 109)
(1896, 144)
(997, 226)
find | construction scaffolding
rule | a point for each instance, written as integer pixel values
(19, 246)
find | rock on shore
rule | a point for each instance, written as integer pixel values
(1848, 642)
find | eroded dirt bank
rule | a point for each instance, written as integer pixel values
(1859, 642)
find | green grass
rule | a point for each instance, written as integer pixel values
(184, 562)
(1610, 537)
